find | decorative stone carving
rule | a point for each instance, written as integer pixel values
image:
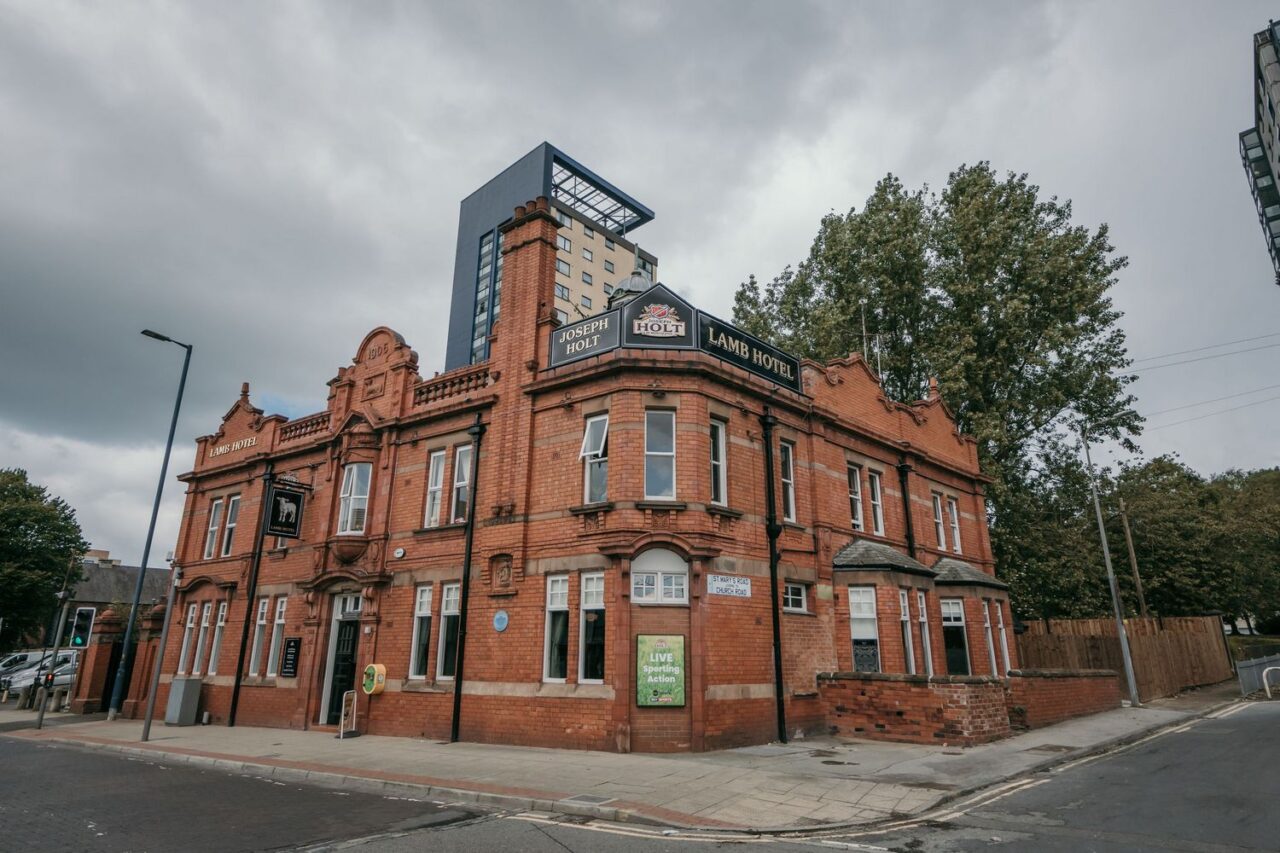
(500, 571)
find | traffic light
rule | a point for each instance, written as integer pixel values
(81, 628)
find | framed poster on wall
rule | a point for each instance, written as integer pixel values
(660, 670)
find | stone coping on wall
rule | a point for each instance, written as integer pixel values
(1063, 673)
(903, 678)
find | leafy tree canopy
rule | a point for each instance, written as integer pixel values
(39, 542)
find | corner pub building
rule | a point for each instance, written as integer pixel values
(630, 562)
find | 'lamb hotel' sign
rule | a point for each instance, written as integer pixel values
(658, 319)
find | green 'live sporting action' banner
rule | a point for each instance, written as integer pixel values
(660, 670)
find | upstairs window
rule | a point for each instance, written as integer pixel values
(564, 219)
(877, 504)
(215, 522)
(719, 475)
(584, 299)
(461, 484)
(354, 501)
(229, 532)
(953, 513)
(435, 488)
(787, 462)
(659, 455)
(562, 292)
(595, 460)
(586, 254)
(608, 244)
(855, 495)
(564, 243)
(563, 268)
(608, 266)
(939, 530)
(588, 232)
(586, 279)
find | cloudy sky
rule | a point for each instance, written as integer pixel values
(270, 181)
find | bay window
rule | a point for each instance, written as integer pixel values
(855, 495)
(354, 498)
(864, 632)
(719, 475)
(954, 641)
(660, 455)
(595, 460)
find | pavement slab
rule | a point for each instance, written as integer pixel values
(803, 785)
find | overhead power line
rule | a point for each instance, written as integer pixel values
(1214, 400)
(1219, 412)
(1202, 349)
(1200, 358)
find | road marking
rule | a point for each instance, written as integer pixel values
(1222, 713)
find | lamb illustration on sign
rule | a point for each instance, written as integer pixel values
(658, 321)
(286, 513)
(288, 509)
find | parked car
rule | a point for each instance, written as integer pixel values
(64, 673)
(20, 678)
(20, 660)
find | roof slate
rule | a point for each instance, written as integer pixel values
(866, 554)
(953, 571)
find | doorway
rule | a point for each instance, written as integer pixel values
(344, 639)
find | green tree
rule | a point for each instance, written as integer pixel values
(993, 290)
(39, 541)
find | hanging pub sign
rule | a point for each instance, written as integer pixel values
(660, 670)
(658, 319)
(284, 517)
(718, 338)
(585, 338)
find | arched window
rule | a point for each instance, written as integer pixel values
(659, 576)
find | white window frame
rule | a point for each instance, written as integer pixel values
(350, 502)
(858, 617)
(215, 522)
(986, 630)
(787, 473)
(259, 636)
(206, 614)
(955, 619)
(450, 605)
(854, 474)
(661, 583)
(595, 454)
(277, 636)
(590, 601)
(789, 591)
(420, 658)
(229, 528)
(877, 502)
(461, 482)
(719, 462)
(435, 488)
(557, 601)
(922, 616)
(904, 622)
(1004, 638)
(939, 528)
(660, 454)
(184, 660)
(215, 650)
(953, 511)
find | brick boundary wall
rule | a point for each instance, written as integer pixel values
(1042, 697)
(949, 710)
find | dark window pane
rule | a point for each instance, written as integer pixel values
(593, 645)
(558, 644)
(424, 643)
(449, 661)
(957, 652)
(866, 656)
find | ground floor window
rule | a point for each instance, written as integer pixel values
(591, 667)
(421, 632)
(659, 576)
(954, 640)
(277, 636)
(986, 628)
(926, 647)
(904, 620)
(450, 616)
(863, 630)
(556, 655)
(1004, 640)
(184, 659)
(219, 626)
(795, 598)
(259, 636)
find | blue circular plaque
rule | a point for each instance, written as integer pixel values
(500, 620)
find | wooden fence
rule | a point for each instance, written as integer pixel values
(1169, 654)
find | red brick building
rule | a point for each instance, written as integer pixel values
(620, 591)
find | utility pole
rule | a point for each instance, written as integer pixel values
(1133, 561)
(863, 303)
(175, 578)
(42, 695)
(1111, 576)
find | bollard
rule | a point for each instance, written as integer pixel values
(59, 699)
(24, 696)
(4, 696)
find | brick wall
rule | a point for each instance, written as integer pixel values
(954, 711)
(1042, 697)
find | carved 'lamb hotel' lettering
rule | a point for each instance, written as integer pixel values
(626, 547)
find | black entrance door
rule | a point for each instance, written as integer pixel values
(344, 667)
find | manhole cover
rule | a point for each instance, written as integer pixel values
(590, 799)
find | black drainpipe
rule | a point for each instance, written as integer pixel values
(773, 529)
(904, 483)
(264, 512)
(476, 431)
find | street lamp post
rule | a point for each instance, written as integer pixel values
(117, 691)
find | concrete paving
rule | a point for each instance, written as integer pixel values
(808, 784)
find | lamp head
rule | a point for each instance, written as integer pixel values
(156, 335)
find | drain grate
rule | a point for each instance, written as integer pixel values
(590, 799)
